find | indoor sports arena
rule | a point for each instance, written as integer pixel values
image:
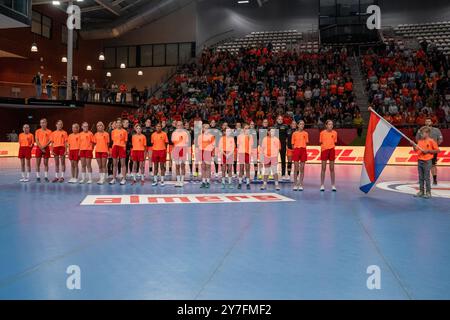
(224, 150)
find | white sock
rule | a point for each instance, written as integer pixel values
(229, 180)
(56, 175)
(204, 180)
(247, 181)
(23, 174)
(223, 180)
(178, 178)
(207, 180)
(155, 178)
(46, 174)
(276, 183)
(182, 179)
(133, 176)
(62, 174)
(162, 179)
(38, 175)
(240, 180)
(28, 174)
(83, 175)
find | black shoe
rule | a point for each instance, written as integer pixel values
(248, 186)
(434, 181)
(46, 179)
(203, 185)
(239, 186)
(208, 185)
(38, 180)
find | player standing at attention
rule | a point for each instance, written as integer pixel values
(119, 136)
(206, 142)
(328, 140)
(226, 153)
(74, 152)
(59, 146)
(426, 149)
(289, 151)
(270, 148)
(43, 140)
(181, 150)
(147, 131)
(299, 140)
(159, 155)
(261, 133)
(244, 147)
(26, 142)
(101, 139)
(86, 153)
(139, 143)
(282, 136)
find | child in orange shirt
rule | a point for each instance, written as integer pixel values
(26, 142)
(101, 139)
(119, 136)
(73, 142)
(226, 153)
(270, 147)
(181, 139)
(139, 143)
(328, 140)
(245, 145)
(59, 145)
(206, 143)
(86, 155)
(43, 141)
(426, 148)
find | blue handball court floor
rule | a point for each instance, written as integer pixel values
(63, 241)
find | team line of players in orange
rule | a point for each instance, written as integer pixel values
(79, 146)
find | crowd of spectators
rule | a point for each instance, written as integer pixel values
(257, 84)
(408, 86)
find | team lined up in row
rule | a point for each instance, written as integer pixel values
(206, 145)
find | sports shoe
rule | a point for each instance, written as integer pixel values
(46, 179)
(154, 183)
(26, 180)
(263, 187)
(81, 181)
(419, 194)
(162, 184)
(113, 181)
(123, 181)
(142, 182)
(133, 182)
(38, 180)
(295, 188)
(89, 181)
(22, 180)
(203, 185)
(248, 186)
(55, 180)
(300, 188)
(333, 188)
(322, 188)
(427, 195)
(208, 185)
(239, 186)
(230, 186)
(61, 180)
(278, 188)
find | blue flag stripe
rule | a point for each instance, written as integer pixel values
(384, 153)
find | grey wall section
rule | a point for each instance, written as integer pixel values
(218, 16)
(415, 11)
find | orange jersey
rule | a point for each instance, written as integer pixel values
(300, 139)
(59, 138)
(139, 142)
(226, 144)
(206, 141)
(270, 146)
(159, 141)
(101, 140)
(86, 141)
(180, 138)
(26, 139)
(328, 139)
(43, 136)
(244, 143)
(427, 145)
(74, 141)
(119, 137)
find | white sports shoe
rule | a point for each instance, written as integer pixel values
(22, 179)
(300, 188)
(113, 181)
(89, 181)
(333, 188)
(322, 188)
(81, 181)
(123, 181)
(26, 180)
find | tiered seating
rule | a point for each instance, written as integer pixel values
(437, 33)
(279, 39)
(310, 47)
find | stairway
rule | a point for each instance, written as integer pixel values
(359, 88)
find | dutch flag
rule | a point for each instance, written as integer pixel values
(381, 141)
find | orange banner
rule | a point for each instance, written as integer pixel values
(344, 155)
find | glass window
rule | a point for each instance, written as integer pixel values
(172, 54)
(121, 56)
(110, 57)
(159, 54)
(36, 22)
(46, 27)
(185, 52)
(132, 56)
(146, 55)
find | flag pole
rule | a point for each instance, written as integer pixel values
(387, 122)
